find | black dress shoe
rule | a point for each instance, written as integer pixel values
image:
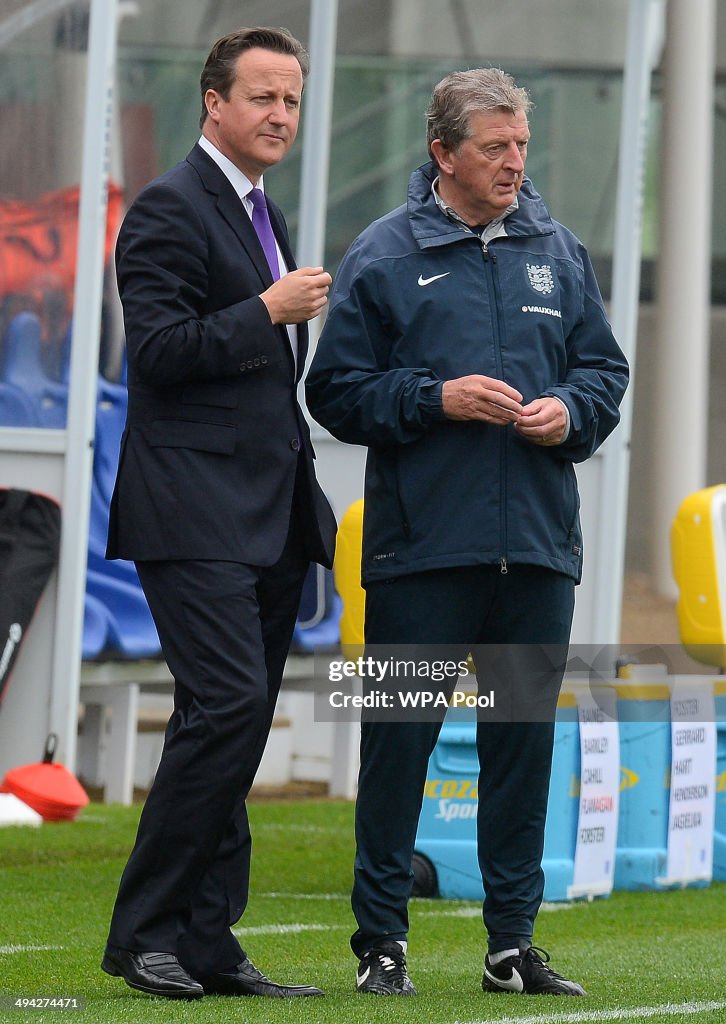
(159, 974)
(246, 980)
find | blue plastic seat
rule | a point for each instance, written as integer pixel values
(132, 633)
(23, 368)
(324, 635)
(318, 619)
(131, 629)
(117, 568)
(111, 405)
(115, 584)
(16, 408)
(96, 622)
(64, 355)
(110, 420)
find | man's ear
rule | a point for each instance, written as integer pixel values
(442, 156)
(211, 102)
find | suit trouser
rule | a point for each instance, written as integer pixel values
(225, 630)
(517, 627)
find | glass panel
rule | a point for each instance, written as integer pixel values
(379, 127)
(42, 90)
(390, 53)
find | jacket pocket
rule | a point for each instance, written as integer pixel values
(203, 437)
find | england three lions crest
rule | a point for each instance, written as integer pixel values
(540, 278)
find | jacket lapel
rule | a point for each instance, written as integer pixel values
(230, 207)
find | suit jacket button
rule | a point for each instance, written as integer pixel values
(295, 444)
(242, 368)
(257, 362)
(264, 360)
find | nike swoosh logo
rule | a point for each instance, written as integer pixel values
(513, 984)
(423, 281)
(362, 977)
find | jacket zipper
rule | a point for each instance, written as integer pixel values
(490, 258)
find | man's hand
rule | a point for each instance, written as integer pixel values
(481, 398)
(543, 421)
(298, 296)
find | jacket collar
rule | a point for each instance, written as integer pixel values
(431, 227)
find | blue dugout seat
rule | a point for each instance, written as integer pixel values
(131, 630)
(96, 624)
(318, 620)
(16, 408)
(23, 369)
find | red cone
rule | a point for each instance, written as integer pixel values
(50, 789)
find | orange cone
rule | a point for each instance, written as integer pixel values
(50, 789)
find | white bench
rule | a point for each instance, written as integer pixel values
(115, 687)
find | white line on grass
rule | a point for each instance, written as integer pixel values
(7, 950)
(476, 911)
(288, 929)
(633, 1012)
(304, 895)
(278, 826)
(445, 912)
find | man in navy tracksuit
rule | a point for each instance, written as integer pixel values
(467, 346)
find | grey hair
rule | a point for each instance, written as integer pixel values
(463, 93)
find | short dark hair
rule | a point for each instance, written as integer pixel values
(220, 66)
(463, 93)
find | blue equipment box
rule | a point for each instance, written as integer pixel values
(447, 827)
(719, 842)
(645, 757)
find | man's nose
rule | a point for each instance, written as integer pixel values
(278, 112)
(515, 158)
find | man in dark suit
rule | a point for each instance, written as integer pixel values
(217, 503)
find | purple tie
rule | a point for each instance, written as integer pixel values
(261, 224)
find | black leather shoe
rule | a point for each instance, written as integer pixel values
(159, 974)
(246, 980)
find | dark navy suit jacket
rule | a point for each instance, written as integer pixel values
(215, 436)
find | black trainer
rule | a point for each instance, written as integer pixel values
(382, 971)
(529, 974)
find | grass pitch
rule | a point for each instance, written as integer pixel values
(659, 957)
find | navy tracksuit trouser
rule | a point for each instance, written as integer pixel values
(517, 627)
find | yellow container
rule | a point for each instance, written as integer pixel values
(698, 553)
(348, 552)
